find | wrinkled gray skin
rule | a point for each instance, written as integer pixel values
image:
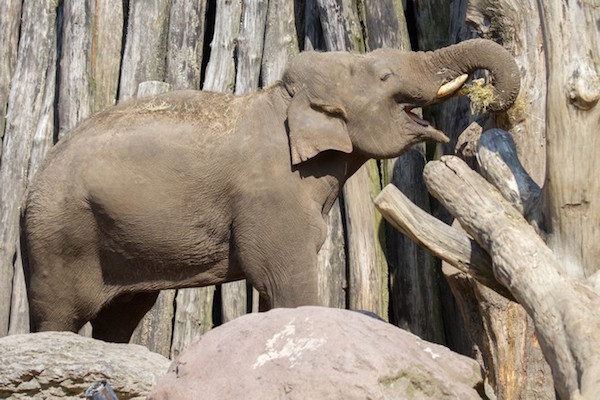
(192, 188)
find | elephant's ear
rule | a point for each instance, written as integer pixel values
(315, 127)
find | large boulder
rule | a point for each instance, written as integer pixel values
(63, 364)
(317, 353)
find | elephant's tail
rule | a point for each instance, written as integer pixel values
(23, 248)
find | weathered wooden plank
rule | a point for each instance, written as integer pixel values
(250, 46)
(221, 77)
(90, 63)
(156, 328)
(367, 276)
(413, 281)
(281, 40)
(107, 44)
(332, 262)
(385, 25)
(220, 71)
(193, 316)
(145, 46)
(75, 96)
(414, 293)
(185, 45)
(10, 19)
(341, 25)
(193, 307)
(26, 133)
(144, 59)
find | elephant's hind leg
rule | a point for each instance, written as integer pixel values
(118, 319)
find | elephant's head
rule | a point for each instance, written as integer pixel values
(362, 103)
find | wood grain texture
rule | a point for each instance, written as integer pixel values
(10, 18)
(572, 43)
(75, 97)
(220, 71)
(145, 46)
(107, 43)
(524, 264)
(193, 316)
(27, 135)
(281, 41)
(155, 330)
(187, 22)
(250, 46)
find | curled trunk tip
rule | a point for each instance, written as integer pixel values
(471, 55)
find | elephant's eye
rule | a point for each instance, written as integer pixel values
(386, 75)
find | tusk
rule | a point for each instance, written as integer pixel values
(452, 86)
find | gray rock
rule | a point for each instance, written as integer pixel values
(63, 365)
(317, 353)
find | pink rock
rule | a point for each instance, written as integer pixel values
(317, 353)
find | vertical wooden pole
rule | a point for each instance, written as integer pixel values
(27, 134)
(144, 59)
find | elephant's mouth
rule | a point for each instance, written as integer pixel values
(420, 128)
(415, 117)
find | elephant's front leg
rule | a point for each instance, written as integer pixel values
(277, 248)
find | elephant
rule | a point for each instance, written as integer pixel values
(192, 188)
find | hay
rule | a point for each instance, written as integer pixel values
(481, 95)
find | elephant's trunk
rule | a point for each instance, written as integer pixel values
(449, 65)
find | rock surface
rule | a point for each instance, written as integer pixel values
(63, 364)
(317, 353)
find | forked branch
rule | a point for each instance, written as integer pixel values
(566, 313)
